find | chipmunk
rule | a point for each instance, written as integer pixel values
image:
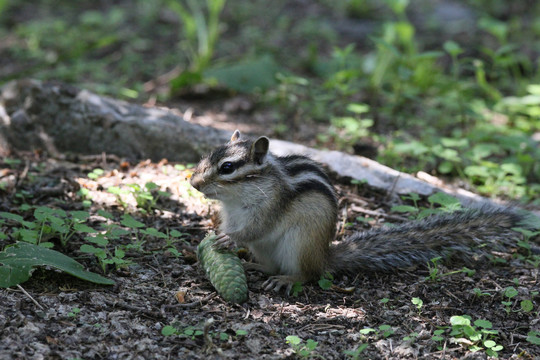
(284, 210)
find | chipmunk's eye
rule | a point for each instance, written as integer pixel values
(226, 168)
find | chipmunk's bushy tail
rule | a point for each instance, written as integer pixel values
(414, 243)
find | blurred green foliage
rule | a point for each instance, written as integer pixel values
(451, 88)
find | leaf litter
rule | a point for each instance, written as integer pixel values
(163, 287)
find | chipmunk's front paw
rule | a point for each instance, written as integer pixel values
(277, 282)
(224, 242)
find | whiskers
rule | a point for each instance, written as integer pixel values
(261, 190)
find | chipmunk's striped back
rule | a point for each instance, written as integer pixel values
(305, 175)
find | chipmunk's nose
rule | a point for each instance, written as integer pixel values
(196, 181)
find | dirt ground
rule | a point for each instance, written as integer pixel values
(58, 316)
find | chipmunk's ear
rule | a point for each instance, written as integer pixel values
(259, 149)
(235, 136)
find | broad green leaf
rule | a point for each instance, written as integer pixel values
(358, 108)
(30, 236)
(99, 239)
(80, 215)
(414, 148)
(534, 337)
(176, 233)
(292, 339)
(17, 218)
(477, 171)
(18, 263)
(130, 222)
(455, 142)
(259, 73)
(452, 48)
(154, 232)
(510, 292)
(151, 186)
(168, 330)
(527, 305)
(325, 284)
(460, 320)
(405, 209)
(443, 199)
(82, 228)
(10, 216)
(105, 214)
(486, 324)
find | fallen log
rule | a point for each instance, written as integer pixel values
(61, 118)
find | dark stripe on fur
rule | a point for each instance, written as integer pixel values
(295, 168)
(227, 150)
(315, 186)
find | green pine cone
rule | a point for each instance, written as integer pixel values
(224, 270)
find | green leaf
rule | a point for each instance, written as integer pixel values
(443, 199)
(414, 148)
(17, 218)
(418, 302)
(477, 171)
(510, 292)
(119, 253)
(358, 108)
(80, 215)
(311, 344)
(452, 48)
(89, 249)
(98, 240)
(486, 324)
(460, 320)
(105, 214)
(130, 222)
(526, 305)
(294, 340)
(151, 186)
(185, 79)
(82, 228)
(154, 232)
(455, 142)
(95, 173)
(168, 330)
(10, 216)
(18, 263)
(241, 332)
(259, 73)
(534, 337)
(445, 167)
(30, 236)
(325, 284)
(176, 233)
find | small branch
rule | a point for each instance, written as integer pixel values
(30, 297)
